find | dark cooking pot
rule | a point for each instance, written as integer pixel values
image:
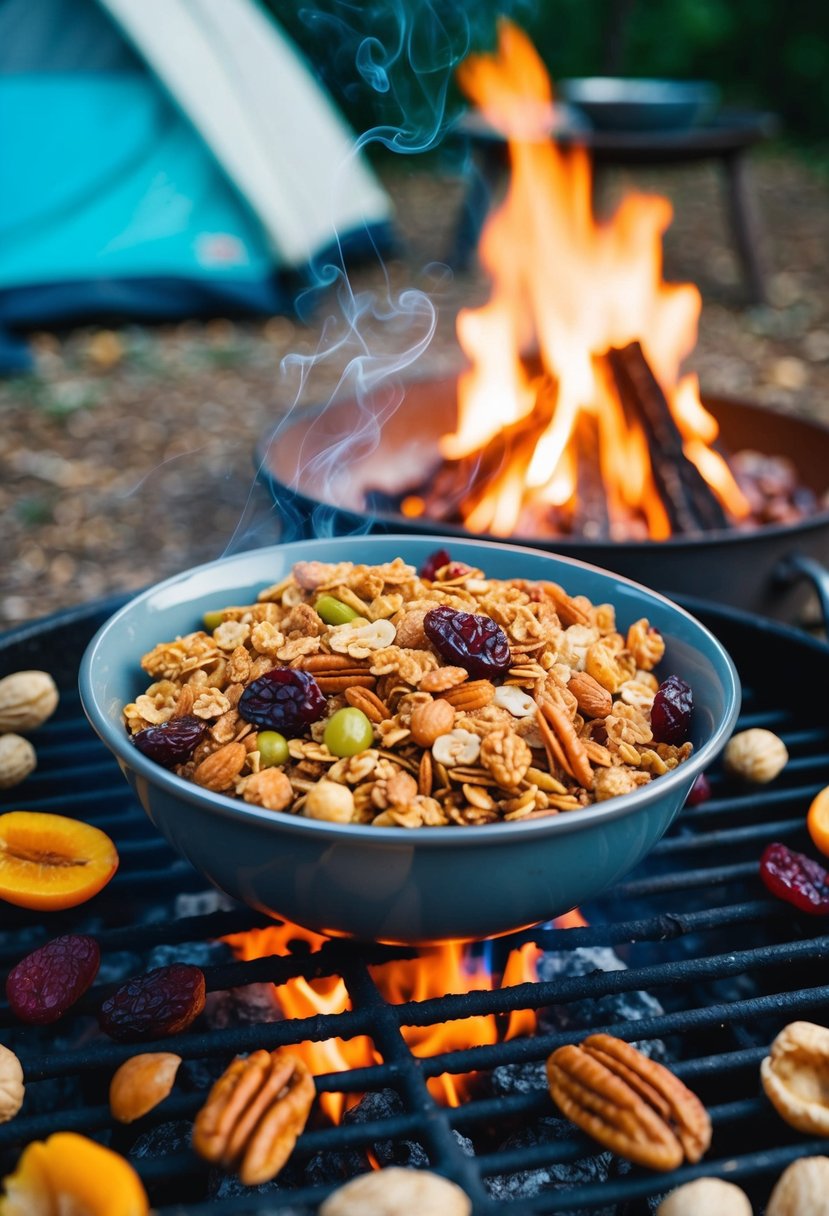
(321, 465)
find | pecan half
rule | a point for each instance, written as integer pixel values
(576, 762)
(254, 1114)
(474, 695)
(368, 701)
(629, 1103)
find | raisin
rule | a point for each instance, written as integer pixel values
(283, 699)
(152, 1006)
(44, 984)
(433, 563)
(699, 792)
(671, 711)
(173, 742)
(474, 642)
(795, 878)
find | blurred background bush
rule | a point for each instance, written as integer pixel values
(764, 53)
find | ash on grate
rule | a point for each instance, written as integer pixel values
(595, 1013)
(558, 1176)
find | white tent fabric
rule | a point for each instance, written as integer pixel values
(271, 127)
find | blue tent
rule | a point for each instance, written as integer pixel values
(164, 159)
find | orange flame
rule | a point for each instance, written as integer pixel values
(434, 973)
(569, 289)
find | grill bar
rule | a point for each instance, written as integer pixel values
(728, 975)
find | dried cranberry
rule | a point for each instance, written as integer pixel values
(44, 984)
(433, 563)
(468, 640)
(151, 1006)
(795, 878)
(283, 699)
(699, 792)
(671, 711)
(173, 742)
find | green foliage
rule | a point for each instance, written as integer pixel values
(390, 63)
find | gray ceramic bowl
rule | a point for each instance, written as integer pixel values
(390, 884)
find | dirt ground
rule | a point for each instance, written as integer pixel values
(129, 455)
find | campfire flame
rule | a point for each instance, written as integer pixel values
(435, 972)
(567, 290)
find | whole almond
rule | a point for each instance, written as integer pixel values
(594, 701)
(430, 721)
(141, 1083)
(219, 770)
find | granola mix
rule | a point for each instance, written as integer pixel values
(514, 701)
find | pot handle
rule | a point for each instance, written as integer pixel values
(798, 566)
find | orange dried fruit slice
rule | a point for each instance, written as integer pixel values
(70, 1173)
(817, 820)
(50, 862)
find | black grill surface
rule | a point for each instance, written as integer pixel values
(728, 967)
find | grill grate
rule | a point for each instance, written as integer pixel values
(728, 965)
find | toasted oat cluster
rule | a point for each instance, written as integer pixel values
(377, 695)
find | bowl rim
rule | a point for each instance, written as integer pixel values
(437, 837)
(637, 90)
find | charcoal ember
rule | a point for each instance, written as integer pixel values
(196, 954)
(558, 1176)
(594, 1013)
(117, 965)
(163, 1140)
(383, 1104)
(525, 1078)
(229, 1186)
(248, 1005)
(328, 1168)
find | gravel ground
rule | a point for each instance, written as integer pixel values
(128, 455)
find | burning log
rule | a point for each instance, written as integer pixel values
(590, 517)
(689, 501)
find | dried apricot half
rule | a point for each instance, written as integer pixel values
(817, 820)
(51, 862)
(70, 1173)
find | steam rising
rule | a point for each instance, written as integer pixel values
(407, 64)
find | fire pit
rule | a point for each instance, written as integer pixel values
(573, 425)
(336, 471)
(689, 956)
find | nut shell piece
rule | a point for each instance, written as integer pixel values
(802, 1188)
(398, 1192)
(795, 1077)
(12, 1089)
(27, 699)
(756, 755)
(17, 760)
(141, 1083)
(712, 1196)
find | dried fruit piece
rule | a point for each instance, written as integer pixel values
(433, 563)
(817, 820)
(283, 699)
(50, 861)
(254, 1114)
(334, 611)
(671, 711)
(152, 1006)
(795, 1077)
(395, 1191)
(796, 878)
(173, 742)
(47, 982)
(70, 1174)
(348, 732)
(141, 1083)
(469, 640)
(12, 1089)
(699, 792)
(756, 755)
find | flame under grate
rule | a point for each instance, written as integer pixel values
(725, 967)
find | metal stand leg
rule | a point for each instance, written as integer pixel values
(745, 225)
